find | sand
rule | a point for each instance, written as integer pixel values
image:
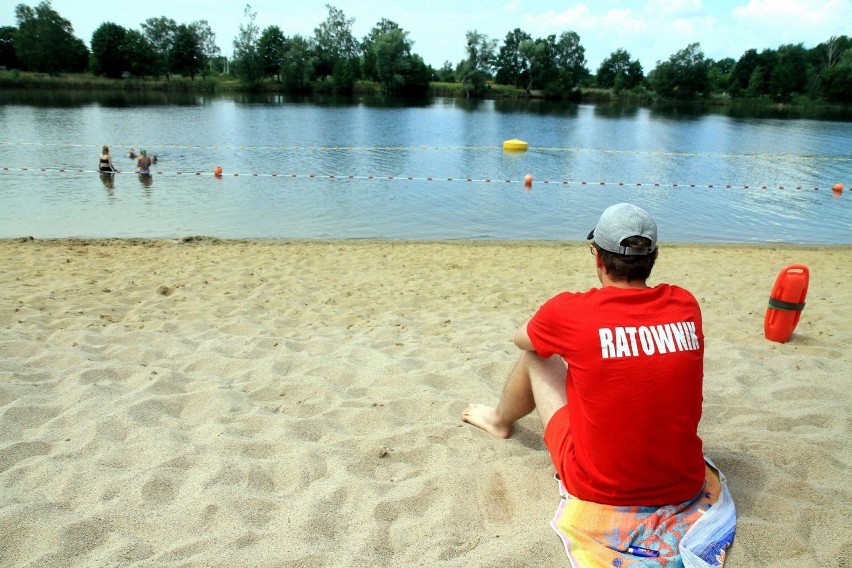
(192, 402)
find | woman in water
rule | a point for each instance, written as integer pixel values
(143, 164)
(105, 162)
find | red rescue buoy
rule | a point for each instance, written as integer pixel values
(786, 303)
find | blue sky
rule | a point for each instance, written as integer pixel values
(650, 30)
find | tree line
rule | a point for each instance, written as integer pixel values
(333, 60)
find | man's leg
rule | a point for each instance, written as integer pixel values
(535, 382)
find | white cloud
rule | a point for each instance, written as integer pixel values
(514, 6)
(796, 13)
(799, 11)
(772, 23)
(674, 8)
(688, 28)
(578, 17)
(618, 22)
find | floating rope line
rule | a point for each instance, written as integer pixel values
(195, 173)
(726, 156)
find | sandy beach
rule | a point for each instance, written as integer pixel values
(195, 402)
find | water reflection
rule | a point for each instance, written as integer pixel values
(683, 110)
(107, 99)
(109, 182)
(739, 109)
(147, 180)
(396, 102)
(470, 104)
(744, 110)
(680, 111)
(616, 110)
(321, 100)
(538, 107)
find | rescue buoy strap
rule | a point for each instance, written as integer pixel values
(782, 305)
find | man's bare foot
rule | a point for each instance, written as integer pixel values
(485, 417)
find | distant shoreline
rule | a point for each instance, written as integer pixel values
(86, 82)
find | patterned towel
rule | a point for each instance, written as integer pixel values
(694, 534)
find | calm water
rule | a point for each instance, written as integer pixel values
(352, 148)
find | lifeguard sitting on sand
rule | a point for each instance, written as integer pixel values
(616, 376)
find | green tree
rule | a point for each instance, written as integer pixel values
(45, 41)
(393, 55)
(683, 76)
(446, 74)
(397, 69)
(742, 72)
(719, 74)
(768, 59)
(829, 53)
(618, 72)
(752, 74)
(8, 59)
(418, 76)
(388, 59)
(369, 47)
(570, 65)
(541, 54)
(140, 54)
(247, 62)
(161, 34)
(296, 64)
(109, 50)
(756, 83)
(837, 78)
(790, 73)
(337, 50)
(186, 57)
(512, 67)
(269, 48)
(207, 43)
(77, 57)
(475, 71)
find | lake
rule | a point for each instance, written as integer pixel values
(363, 168)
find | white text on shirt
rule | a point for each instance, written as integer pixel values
(620, 342)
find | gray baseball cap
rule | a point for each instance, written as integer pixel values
(621, 221)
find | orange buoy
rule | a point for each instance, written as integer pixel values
(786, 303)
(528, 179)
(217, 171)
(838, 187)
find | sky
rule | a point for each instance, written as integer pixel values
(650, 30)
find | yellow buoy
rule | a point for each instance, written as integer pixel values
(515, 145)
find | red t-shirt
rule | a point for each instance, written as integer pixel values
(635, 357)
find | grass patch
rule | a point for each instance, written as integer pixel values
(87, 82)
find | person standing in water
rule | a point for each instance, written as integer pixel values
(143, 164)
(105, 162)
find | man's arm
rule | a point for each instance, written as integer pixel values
(522, 338)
